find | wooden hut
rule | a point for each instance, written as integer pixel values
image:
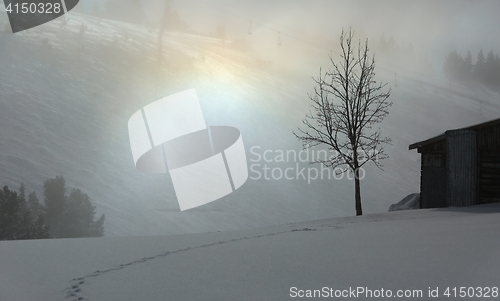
(461, 167)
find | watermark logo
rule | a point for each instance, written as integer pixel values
(205, 163)
(277, 164)
(24, 14)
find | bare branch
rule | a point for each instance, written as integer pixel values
(347, 102)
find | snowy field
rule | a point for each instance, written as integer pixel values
(404, 250)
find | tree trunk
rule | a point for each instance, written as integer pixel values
(357, 191)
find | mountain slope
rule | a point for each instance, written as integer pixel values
(67, 92)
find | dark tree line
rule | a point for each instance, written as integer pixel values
(59, 216)
(21, 218)
(486, 70)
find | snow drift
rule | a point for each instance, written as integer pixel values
(411, 201)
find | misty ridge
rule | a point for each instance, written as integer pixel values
(406, 52)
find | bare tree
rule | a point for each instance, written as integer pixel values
(347, 103)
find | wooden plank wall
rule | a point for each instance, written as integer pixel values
(433, 176)
(488, 143)
(461, 168)
(433, 187)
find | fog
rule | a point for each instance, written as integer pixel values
(69, 88)
(433, 27)
(113, 67)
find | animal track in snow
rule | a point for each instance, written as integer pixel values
(74, 292)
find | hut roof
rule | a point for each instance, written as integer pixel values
(442, 136)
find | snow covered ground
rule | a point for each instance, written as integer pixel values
(403, 250)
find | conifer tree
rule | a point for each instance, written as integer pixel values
(10, 214)
(79, 216)
(479, 67)
(70, 216)
(16, 219)
(40, 229)
(489, 69)
(468, 66)
(55, 201)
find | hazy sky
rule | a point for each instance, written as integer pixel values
(429, 24)
(435, 27)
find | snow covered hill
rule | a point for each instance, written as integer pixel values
(412, 251)
(67, 90)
